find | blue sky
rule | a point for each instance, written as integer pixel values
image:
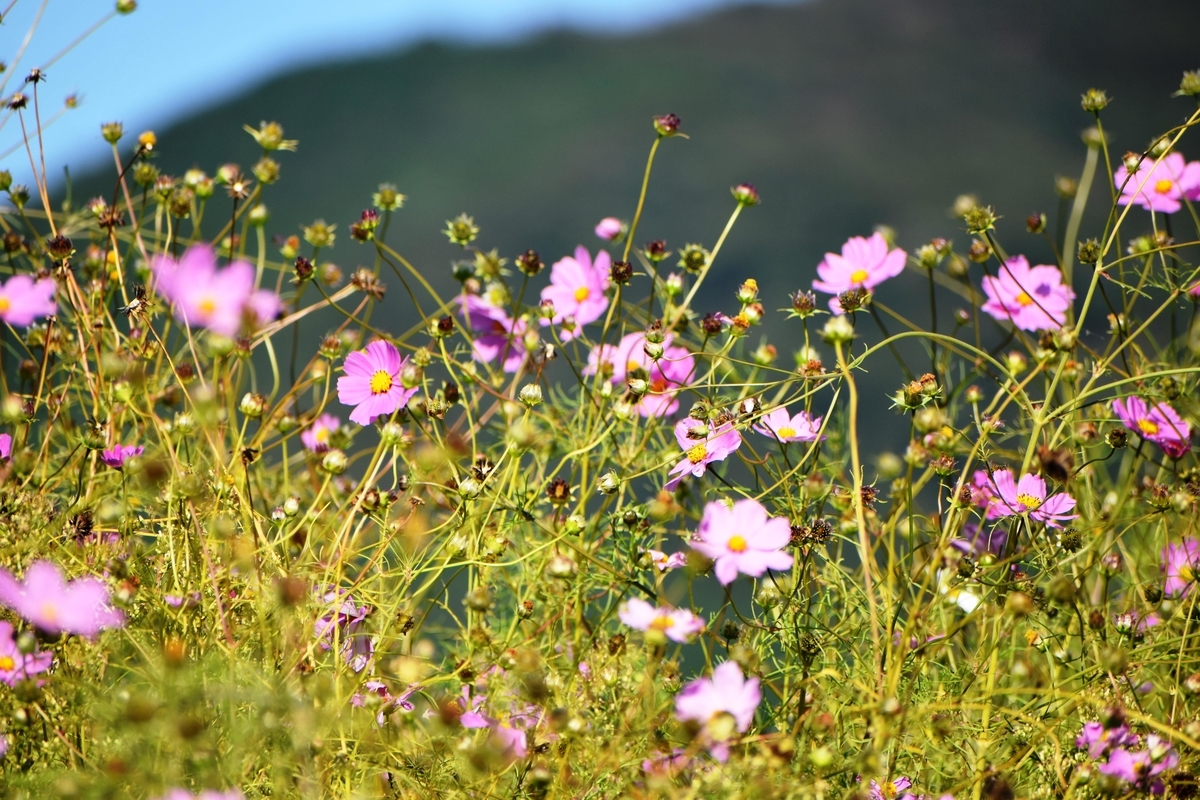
(170, 57)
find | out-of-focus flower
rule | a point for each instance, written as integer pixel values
(22, 300)
(1159, 185)
(577, 287)
(54, 605)
(1141, 767)
(117, 455)
(1029, 496)
(891, 790)
(609, 229)
(742, 539)
(16, 666)
(372, 382)
(702, 444)
(387, 701)
(778, 424)
(676, 624)
(495, 334)
(863, 264)
(1157, 422)
(1031, 298)
(664, 562)
(342, 623)
(979, 543)
(1181, 563)
(5, 446)
(1098, 740)
(722, 704)
(220, 300)
(316, 436)
(664, 376)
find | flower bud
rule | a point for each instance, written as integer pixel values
(656, 251)
(804, 303)
(462, 230)
(387, 198)
(1066, 187)
(530, 263)
(979, 219)
(610, 229)
(666, 125)
(979, 251)
(745, 194)
(1190, 84)
(1093, 101)
(1035, 223)
(1117, 438)
(1089, 251)
(653, 350)
(259, 215)
(608, 483)
(693, 258)
(561, 566)
(574, 525)
(410, 376)
(621, 272)
(748, 291)
(126, 6)
(334, 462)
(1015, 362)
(531, 395)
(838, 329)
(253, 405)
(291, 506)
(479, 599)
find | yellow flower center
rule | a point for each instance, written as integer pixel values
(1028, 500)
(697, 453)
(1163, 186)
(1185, 571)
(322, 435)
(5, 304)
(381, 381)
(7, 664)
(207, 306)
(582, 293)
(786, 432)
(737, 543)
(858, 276)
(662, 622)
(1024, 299)
(631, 365)
(889, 790)
(1147, 427)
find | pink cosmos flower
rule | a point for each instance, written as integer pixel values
(16, 666)
(665, 562)
(891, 790)
(983, 494)
(495, 334)
(22, 300)
(863, 264)
(387, 702)
(54, 606)
(206, 297)
(677, 624)
(511, 736)
(342, 624)
(1141, 767)
(1157, 422)
(1031, 298)
(1181, 564)
(577, 288)
(316, 436)
(117, 455)
(742, 539)
(5, 446)
(1159, 185)
(708, 700)
(783, 427)
(1098, 740)
(702, 444)
(608, 229)
(1029, 496)
(665, 377)
(372, 382)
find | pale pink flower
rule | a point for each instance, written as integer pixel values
(702, 444)
(372, 382)
(577, 287)
(677, 624)
(53, 605)
(1157, 422)
(609, 229)
(783, 427)
(863, 264)
(1029, 497)
(495, 334)
(316, 436)
(342, 624)
(16, 666)
(22, 300)
(665, 376)
(1181, 564)
(221, 300)
(1031, 298)
(664, 561)
(117, 455)
(707, 700)
(5, 446)
(1159, 185)
(742, 539)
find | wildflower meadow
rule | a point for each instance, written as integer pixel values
(578, 527)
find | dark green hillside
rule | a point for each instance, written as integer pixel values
(845, 114)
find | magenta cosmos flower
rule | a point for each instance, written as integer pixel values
(1029, 497)
(495, 334)
(742, 539)
(220, 300)
(1157, 422)
(863, 264)
(54, 605)
(5, 446)
(316, 436)
(702, 444)
(663, 561)
(1181, 563)
(22, 300)
(664, 377)
(677, 624)
(16, 666)
(1159, 185)
(891, 790)
(707, 701)
(609, 229)
(372, 382)
(1031, 298)
(783, 427)
(116, 456)
(577, 287)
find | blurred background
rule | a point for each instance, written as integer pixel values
(534, 116)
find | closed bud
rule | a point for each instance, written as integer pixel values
(334, 462)
(673, 285)
(126, 6)
(748, 291)
(1035, 223)
(561, 566)
(410, 376)
(479, 599)
(253, 405)
(666, 125)
(838, 329)
(531, 395)
(259, 215)
(804, 303)
(1066, 187)
(1089, 251)
(656, 251)
(1117, 438)
(530, 263)
(1190, 85)
(608, 483)
(745, 194)
(653, 350)
(979, 251)
(621, 272)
